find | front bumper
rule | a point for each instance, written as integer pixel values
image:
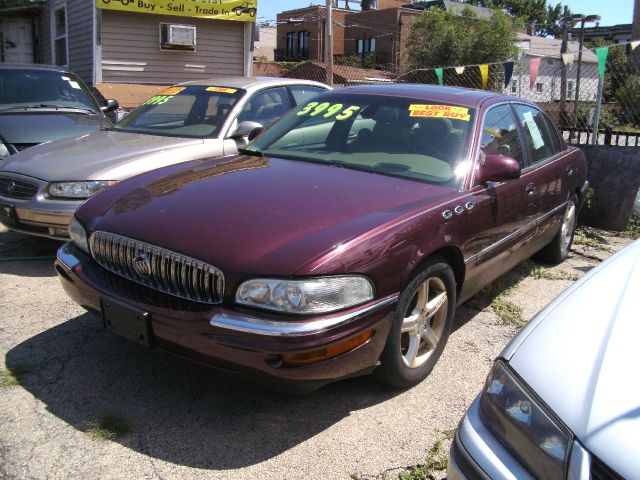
(238, 341)
(37, 215)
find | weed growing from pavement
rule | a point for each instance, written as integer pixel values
(508, 312)
(548, 274)
(437, 461)
(587, 237)
(633, 229)
(11, 376)
(109, 427)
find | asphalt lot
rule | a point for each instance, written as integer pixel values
(188, 422)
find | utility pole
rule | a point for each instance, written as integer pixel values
(635, 35)
(328, 43)
(563, 68)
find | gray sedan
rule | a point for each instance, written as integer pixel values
(41, 187)
(563, 400)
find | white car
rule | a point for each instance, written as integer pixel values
(562, 401)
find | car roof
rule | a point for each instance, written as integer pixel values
(456, 95)
(32, 66)
(252, 82)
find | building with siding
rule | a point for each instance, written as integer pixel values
(124, 46)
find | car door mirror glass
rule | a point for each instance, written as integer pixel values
(109, 106)
(497, 168)
(255, 132)
(245, 128)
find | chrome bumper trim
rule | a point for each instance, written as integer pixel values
(66, 257)
(259, 326)
(43, 219)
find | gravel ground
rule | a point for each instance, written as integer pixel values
(186, 422)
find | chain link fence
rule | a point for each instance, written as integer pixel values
(568, 93)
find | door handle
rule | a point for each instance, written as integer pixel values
(569, 171)
(531, 189)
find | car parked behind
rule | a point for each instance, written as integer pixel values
(42, 103)
(41, 188)
(561, 400)
(339, 242)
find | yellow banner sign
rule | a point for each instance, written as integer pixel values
(239, 10)
(439, 111)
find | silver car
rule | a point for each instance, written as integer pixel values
(563, 399)
(41, 187)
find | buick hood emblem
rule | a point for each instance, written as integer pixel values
(142, 265)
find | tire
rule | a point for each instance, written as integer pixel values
(419, 333)
(558, 250)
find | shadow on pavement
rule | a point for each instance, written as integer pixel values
(26, 255)
(180, 412)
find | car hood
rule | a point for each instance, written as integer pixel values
(580, 355)
(94, 156)
(30, 127)
(251, 215)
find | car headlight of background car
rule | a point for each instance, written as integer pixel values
(523, 425)
(78, 235)
(309, 296)
(78, 190)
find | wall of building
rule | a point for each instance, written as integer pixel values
(379, 24)
(131, 51)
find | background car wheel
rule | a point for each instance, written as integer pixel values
(558, 250)
(424, 316)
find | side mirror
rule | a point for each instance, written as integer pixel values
(109, 106)
(497, 168)
(255, 132)
(245, 128)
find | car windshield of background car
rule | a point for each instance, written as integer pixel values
(189, 111)
(43, 89)
(416, 139)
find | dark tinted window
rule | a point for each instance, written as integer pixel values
(539, 140)
(304, 93)
(500, 134)
(39, 88)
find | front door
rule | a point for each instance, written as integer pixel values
(16, 35)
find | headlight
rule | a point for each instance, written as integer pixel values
(316, 295)
(78, 235)
(524, 425)
(4, 151)
(78, 189)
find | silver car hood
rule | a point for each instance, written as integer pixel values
(581, 356)
(100, 155)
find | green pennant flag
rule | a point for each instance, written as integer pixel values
(602, 53)
(439, 74)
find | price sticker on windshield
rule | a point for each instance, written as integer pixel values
(222, 90)
(328, 110)
(158, 100)
(439, 111)
(172, 91)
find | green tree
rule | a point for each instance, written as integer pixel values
(439, 38)
(628, 97)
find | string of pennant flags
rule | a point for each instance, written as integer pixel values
(534, 66)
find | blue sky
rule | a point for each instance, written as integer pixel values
(612, 11)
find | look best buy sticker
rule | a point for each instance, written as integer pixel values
(440, 111)
(221, 90)
(172, 91)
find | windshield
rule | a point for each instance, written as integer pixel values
(189, 111)
(411, 138)
(21, 88)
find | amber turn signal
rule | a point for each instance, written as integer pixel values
(316, 356)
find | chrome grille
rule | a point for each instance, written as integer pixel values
(158, 268)
(13, 188)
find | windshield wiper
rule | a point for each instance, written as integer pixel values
(253, 153)
(45, 105)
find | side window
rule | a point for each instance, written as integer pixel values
(500, 134)
(538, 138)
(266, 106)
(303, 93)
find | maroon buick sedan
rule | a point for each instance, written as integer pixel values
(338, 243)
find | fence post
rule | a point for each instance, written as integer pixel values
(596, 114)
(608, 135)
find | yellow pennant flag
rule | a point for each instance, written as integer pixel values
(484, 72)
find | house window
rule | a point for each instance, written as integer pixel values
(514, 87)
(297, 44)
(59, 35)
(365, 45)
(570, 87)
(538, 87)
(550, 61)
